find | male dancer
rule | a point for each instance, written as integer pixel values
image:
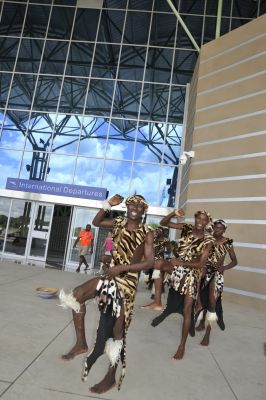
(115, 291)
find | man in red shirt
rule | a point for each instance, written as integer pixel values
(85, 239)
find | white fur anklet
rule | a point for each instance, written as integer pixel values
(156, 274)
(69, 301)
(211, 317)
(200, 317)
(113, 350)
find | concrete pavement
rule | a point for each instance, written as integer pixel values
(34, 332)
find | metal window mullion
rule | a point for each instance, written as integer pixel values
(7, 225)
(86, 94)
(203, 23)
(114, 90)
(167, 110)
(34, 91)
(59, 96)
(141, 96)
(11, 83)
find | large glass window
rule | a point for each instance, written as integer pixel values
(12, 19)
(20, 96)
(8, 52)
(4, 212)
(111, 26)
(9, 165)
(96, 96)
(116, 177)
(36, 27)
(93, 137)
(18, 227)
(81, 217)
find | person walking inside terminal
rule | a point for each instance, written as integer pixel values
(85, 240)
(115, 290)
(193, 250)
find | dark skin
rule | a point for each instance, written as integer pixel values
(143, 258)
(82, 259)
(158, 283)
(201, 221)
(218, 232)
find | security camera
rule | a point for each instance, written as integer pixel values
(184, 157)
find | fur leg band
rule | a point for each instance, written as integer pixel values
(156, 274)
(211, 317)
(113, 350)
(69, 301)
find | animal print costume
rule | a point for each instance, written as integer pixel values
(218, 253)
(121, 290)
(190, 248)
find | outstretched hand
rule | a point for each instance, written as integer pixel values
(115, 200)
(179, 212)
(114, 271)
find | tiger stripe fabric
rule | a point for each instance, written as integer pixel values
(183, 279)
(217, 254)
(121, 290)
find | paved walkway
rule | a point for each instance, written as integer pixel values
(34, 333)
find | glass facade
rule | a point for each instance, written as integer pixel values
(96, 96)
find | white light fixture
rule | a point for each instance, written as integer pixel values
(184, 156)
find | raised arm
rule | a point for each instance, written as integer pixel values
(100, 220)
(166, 221)
(198, 263)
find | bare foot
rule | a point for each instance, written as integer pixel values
(180, 353)
(75, 351)
(205, 341)
(201, 326)
(106, 384)
(153, 306)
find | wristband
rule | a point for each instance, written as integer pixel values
(106, 205)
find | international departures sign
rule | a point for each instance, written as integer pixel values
(58, 189)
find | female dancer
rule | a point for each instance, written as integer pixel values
(194, 246)
(213, 281)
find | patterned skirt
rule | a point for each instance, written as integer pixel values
(119, 293)
(185, 280)
(211, 273)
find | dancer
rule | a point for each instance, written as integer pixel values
(161, 243)
(115, 291)
(213, 281)
(194, 246)
(85, 240)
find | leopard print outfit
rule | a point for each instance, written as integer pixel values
(218, 252)
(121, 290)
(159, 248)
(185, 280)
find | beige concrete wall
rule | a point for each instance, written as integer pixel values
(227, 131)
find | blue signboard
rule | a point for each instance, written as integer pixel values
(58, 189)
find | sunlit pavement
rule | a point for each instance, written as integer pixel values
(34, 332)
